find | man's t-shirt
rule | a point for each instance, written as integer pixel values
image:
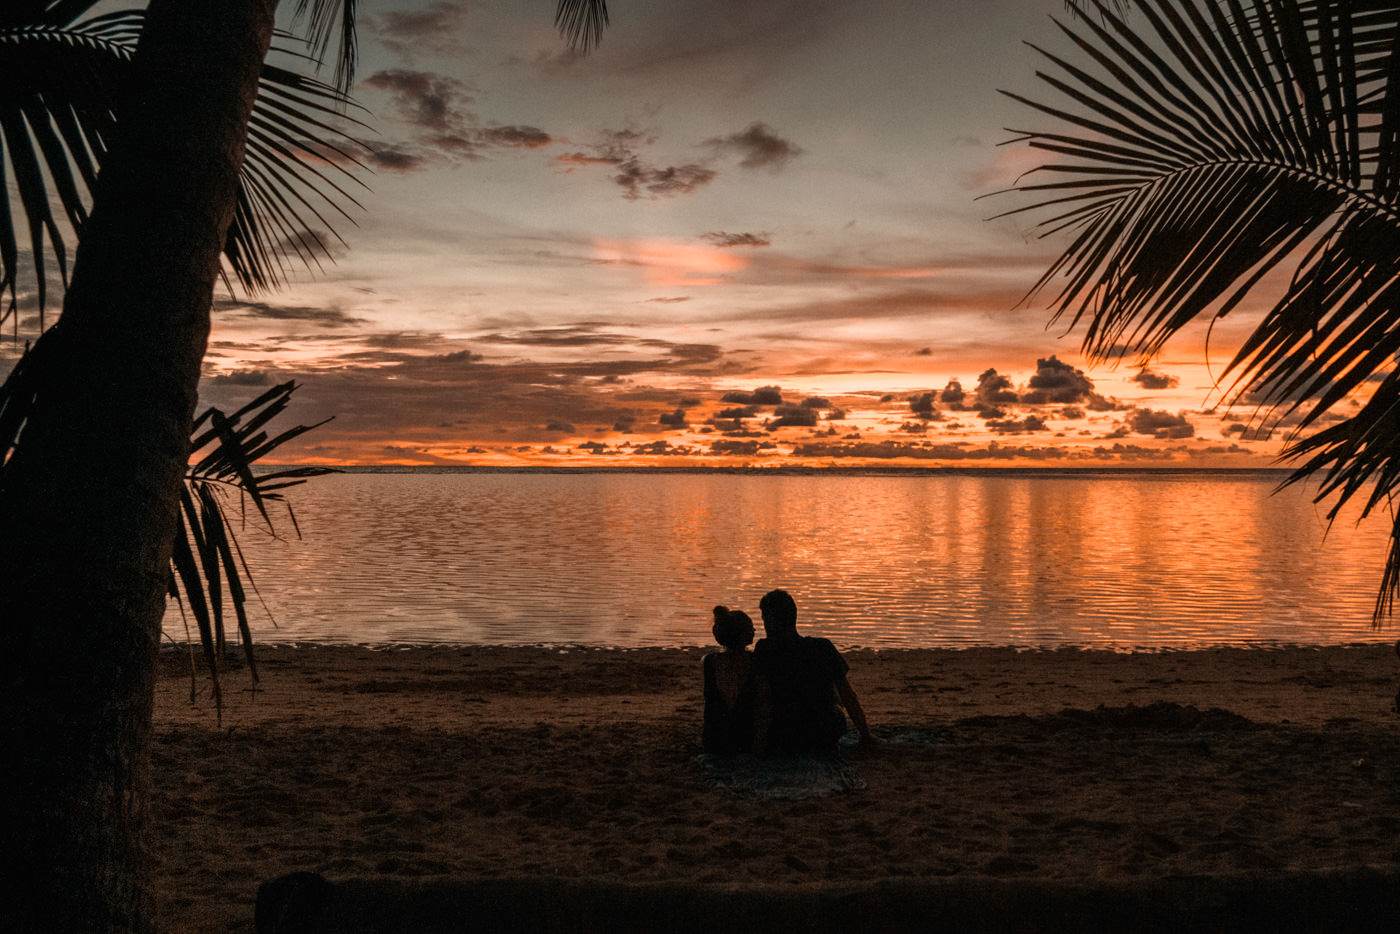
(801, 675)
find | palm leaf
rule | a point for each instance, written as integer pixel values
(222, 466)
(581, 22)
(1209, 148)
(61, 71)
(208, 573)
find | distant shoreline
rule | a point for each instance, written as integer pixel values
(1278, 473)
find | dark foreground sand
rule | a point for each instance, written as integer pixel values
(543, 779)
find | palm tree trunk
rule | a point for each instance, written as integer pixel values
(88, 504)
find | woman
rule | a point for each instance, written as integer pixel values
(729, 686)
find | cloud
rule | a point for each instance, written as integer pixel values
(1162, 425)
(675, 419)
(243, 378)
(994, 389)
(635, 178)
(722, 239)
(1013, 426)
(633, 174)
(758, 146)
(1150, 379)
(953, 395)
(435, 106)
(394, 158)
(792, 416)
(321, 317)
(1057, 383)
(922, 405)
(438, 28)
(423, 98)
(741, 448)
(520, 137)
(763, 395)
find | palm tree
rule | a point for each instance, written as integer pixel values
(90, 496)
(1208, 151)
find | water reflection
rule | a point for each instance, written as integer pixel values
(609, 559)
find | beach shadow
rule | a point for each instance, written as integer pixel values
(781, 777)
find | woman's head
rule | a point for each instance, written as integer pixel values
(732, 629)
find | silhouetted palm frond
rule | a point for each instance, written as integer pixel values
(61, 71)
(581, 22)
(207, 564)
(1212, 149)
(208, 574)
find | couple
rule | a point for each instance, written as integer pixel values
(785, 696)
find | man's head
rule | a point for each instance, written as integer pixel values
(779, 614)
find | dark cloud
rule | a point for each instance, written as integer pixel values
(1057, 383)
(436, 106)
(721, 239)
(394, 158)
(763, 395)
(925, 450)
(1162, 425)
(1151, 379)
(994, 389)
(816, 402)
(674, 419)
(521, 137)
(670, 300)
(922, 405)
(321, 317)
(792, 416)
(758, 147)
(953, 395)
(924, 352)
(438, 27)
(736, 414)
(741, 448)
(560, 426)
(1016, 426)
(424, 98)
(243, 378)
(636, 176)
(664, 449)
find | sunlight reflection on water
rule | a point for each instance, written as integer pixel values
(1112, 560)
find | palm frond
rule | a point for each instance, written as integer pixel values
(1210, 150)
(208, 561)
(60, 77)
(58, 84)
(208, 573)
(581, 22)
(324, 21)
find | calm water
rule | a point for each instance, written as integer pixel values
(1107, 560)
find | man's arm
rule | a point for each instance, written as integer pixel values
(852, 705)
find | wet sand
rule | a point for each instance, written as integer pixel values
(513, 765)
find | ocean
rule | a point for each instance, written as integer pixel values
(1105, 559)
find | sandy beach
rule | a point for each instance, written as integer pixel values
(1058, 768)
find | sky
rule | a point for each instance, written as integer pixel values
(736, 233)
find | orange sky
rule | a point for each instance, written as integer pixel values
(738, 235)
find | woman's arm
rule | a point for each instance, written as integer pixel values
(852, 705)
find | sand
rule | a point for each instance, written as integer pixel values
(1027, 769)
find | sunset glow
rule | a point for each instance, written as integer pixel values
(745, 237)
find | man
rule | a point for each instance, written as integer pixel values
(802, 686)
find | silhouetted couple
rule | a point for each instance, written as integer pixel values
(784, 697)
